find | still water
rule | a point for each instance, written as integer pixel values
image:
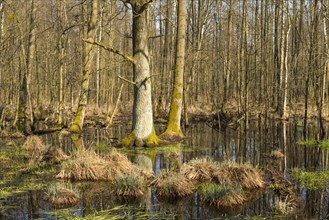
(253, 145)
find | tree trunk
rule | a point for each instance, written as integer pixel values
(78, 120)
(143, 133)
(173, 126)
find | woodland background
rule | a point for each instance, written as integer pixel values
(251, 57)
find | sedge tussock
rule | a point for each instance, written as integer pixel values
(222, 195)
(130, 185)
(170, 184)
(88, 165)
(239, 174)
(61, 197)
(200, 170)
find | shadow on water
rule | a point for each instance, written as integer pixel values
(254, 146)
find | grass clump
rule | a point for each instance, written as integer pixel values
(33, 142)
(129, 185)
(200, 170)
(277, 154)
(311, 180)
(87, 165)
(243, 174)
(282, 207)
(222, 195)
(170, 184)
(60, 196)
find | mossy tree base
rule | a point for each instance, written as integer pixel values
(133, 141)
(173, 136)
(75, 128)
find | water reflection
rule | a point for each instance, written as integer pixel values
(254, 146)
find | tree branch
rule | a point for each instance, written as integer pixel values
(127, 80)
(111, 49)
(146, 4)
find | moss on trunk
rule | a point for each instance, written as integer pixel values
(132, 141)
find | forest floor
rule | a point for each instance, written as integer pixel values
(230, 115)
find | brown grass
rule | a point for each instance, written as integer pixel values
(17, 135)
(62, 197)
(33, 142)
(4, 134)
(203, 170)
(243, 174)
(277, 154)
(222, 195)
(87, 165)
(200, 170)
(170, 184)
(130, 185)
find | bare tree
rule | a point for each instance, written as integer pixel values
(78, 120)
(173, 129)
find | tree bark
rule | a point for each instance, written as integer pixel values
(143, 133)
(173, 127)
(78, 120)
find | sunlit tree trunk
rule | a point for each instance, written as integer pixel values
(173, 127)
(98, 62)
(2, 21)
(143, 133)
(24, 100)
(78, 120)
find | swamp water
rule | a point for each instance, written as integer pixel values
(22, 197)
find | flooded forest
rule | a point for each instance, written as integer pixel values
(164, 109)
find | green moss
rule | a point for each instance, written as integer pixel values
(324, 144)
(308, 142)
(75, 128)
(152, 140)
(311, 180)
(128, 141)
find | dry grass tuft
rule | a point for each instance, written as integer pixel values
(57, 155)
(283, 207)
(170, 184)
(277, 154)
(33, 143)
(129, 185)
(61, 197)
(17, 135)
(200, 170)
(222, 195)
(87, 165)
(35, 147)
(4, 134)
(239, 174)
